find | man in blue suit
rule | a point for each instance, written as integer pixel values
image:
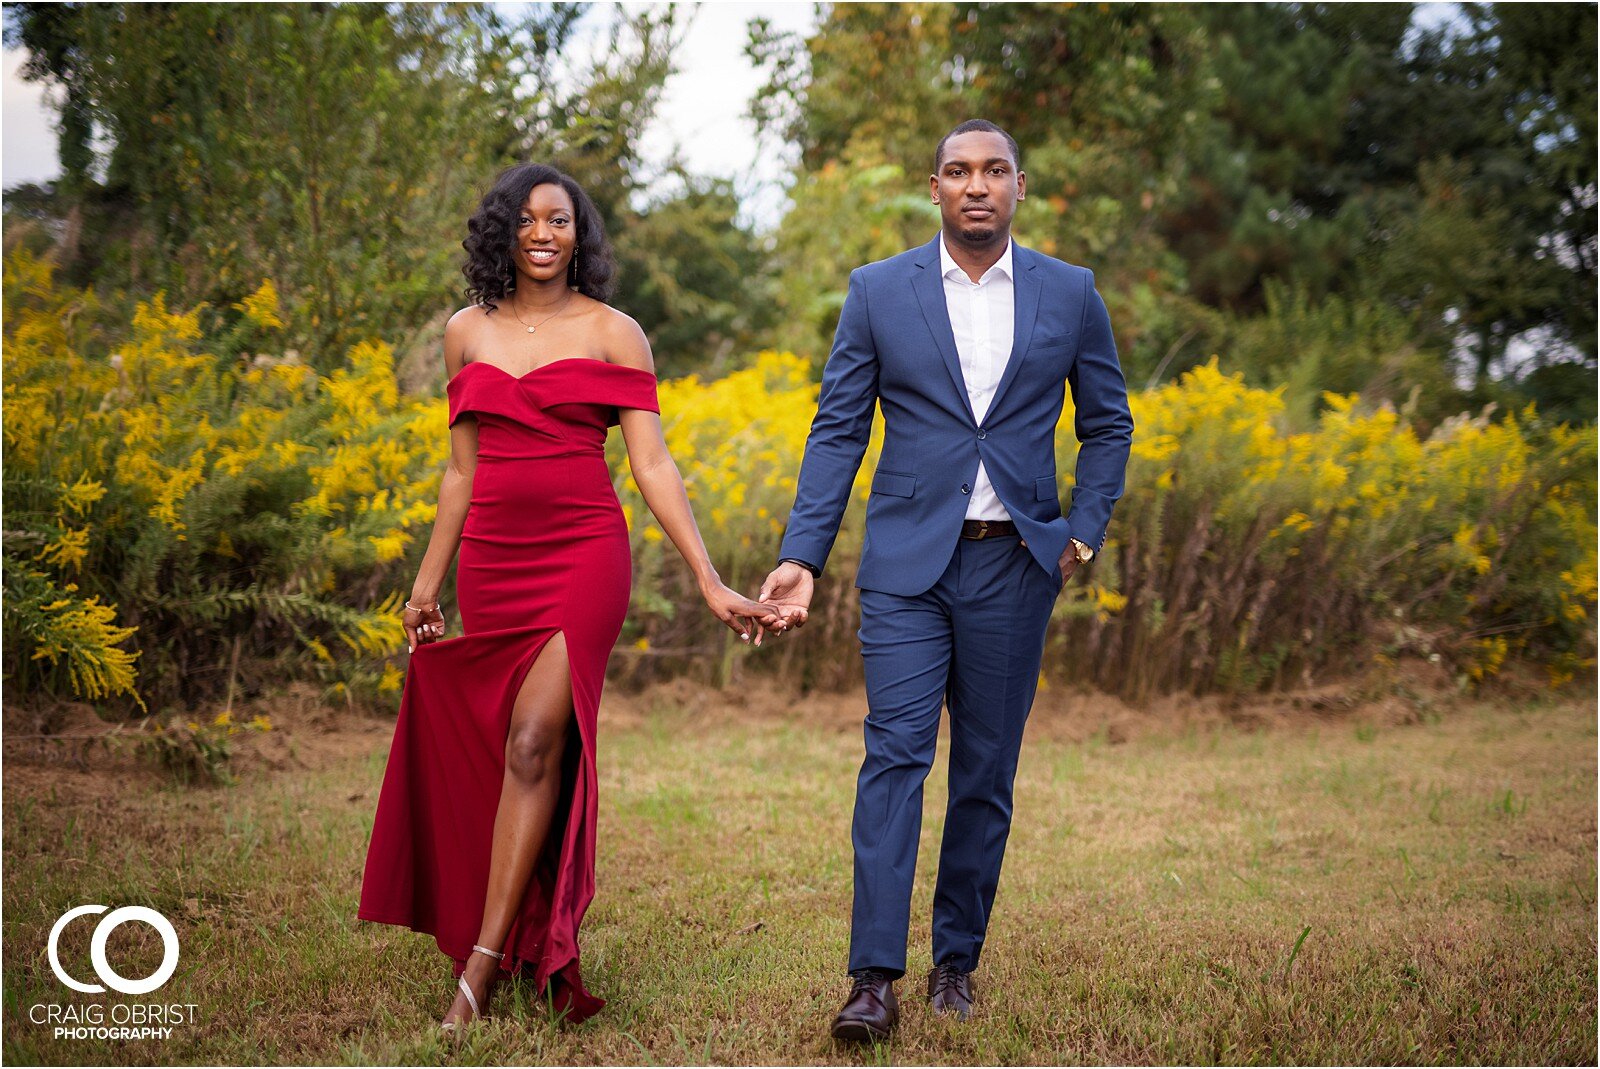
(965, 344)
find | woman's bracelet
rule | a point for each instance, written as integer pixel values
(413, 608)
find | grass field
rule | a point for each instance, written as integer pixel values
(1438, 861)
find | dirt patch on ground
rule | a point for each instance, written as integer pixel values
(1399, 694)
(67, 750)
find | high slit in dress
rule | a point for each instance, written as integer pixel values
(544, 549)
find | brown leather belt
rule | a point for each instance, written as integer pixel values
(987, 528)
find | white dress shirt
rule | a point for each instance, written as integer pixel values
(983, 318)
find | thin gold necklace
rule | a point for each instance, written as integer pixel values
(543, 321)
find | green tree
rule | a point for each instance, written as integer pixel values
(695, 277)
(338, 150)
(1101, 103)
(1216, 164)
(335, 149)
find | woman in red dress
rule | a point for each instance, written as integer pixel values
(484, 835)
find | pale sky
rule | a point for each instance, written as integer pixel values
(702, 107)
(27, 141)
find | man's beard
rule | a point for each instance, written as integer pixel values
(979, 235)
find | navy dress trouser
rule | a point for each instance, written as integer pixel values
(976, 639)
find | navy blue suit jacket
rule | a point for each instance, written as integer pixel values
(894, 347)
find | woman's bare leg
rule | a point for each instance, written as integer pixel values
(529, 794)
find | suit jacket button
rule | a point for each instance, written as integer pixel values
(982, 435)
(965, 489)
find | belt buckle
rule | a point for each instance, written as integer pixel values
(983, 529)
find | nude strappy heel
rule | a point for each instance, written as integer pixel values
(453, 1027)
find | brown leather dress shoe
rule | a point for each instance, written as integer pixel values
(871, 1012)
(950, 991)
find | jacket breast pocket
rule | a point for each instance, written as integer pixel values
(1044, 488)
(893, 483)
(1057, 341)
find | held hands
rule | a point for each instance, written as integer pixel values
(788, 589)
(744, 616)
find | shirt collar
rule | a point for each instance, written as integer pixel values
(948, 264)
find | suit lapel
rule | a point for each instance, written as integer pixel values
(1025, 288)
(929, 288)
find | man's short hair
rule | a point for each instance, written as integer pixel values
(970, 126)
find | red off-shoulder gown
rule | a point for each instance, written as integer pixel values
(544, 550)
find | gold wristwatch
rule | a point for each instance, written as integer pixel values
(1082, 552)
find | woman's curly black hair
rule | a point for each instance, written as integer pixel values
(492, 232)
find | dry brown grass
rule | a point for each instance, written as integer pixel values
(1162, 865)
